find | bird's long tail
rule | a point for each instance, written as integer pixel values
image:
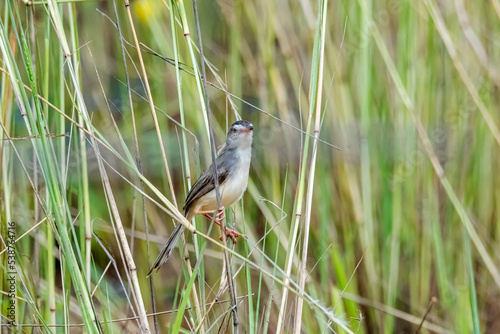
(168, 248)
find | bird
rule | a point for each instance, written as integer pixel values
(233, 166)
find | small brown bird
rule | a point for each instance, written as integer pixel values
(233, 165)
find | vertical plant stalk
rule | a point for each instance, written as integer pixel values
(299, 195)
(5, 162)
(294, 231)
(151, 103)
(132, 269)
(38, 131)
(438, 168)
(472, 284)
(86, 228)
(179, 4)
(137, 158)
(445, 36)
(186, 166)
(227, 258)
(367, 233)
(61, 126)
(58, 26)
(315, 92)
(50, 270)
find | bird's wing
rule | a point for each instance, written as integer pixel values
(205, 184)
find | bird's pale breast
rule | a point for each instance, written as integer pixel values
(232, 189)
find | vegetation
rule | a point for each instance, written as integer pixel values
(106, 121)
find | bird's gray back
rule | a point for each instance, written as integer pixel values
(227, 163)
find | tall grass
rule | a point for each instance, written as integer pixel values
(106, 122)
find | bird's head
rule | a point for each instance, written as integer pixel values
(240, 135)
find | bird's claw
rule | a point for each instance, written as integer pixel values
(233, 234)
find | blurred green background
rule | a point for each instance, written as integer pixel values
(404, 223)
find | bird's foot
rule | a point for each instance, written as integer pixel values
(233, 234)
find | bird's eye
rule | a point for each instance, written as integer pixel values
(233, 130)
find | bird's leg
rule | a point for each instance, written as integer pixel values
(219, 216)
(206, 215)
